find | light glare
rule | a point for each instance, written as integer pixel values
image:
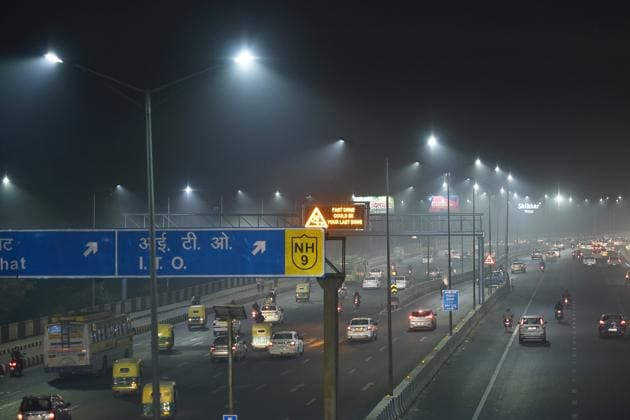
(432, 142)
(244, 58)
(188, 190)
(51, 57)
(6, 180)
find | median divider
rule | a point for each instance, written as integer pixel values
(394, 406)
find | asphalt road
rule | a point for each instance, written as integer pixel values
(577, 375)
(264, 388)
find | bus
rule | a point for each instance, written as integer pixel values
(86, 342)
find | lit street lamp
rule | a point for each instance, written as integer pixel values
(245, 58)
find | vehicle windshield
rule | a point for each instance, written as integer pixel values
(531, 321)
(612, 318)
(282, 336)
(421, 313)
(268, 308)
(36, 404)
(359, 322)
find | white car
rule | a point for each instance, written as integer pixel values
(371, 283)
(286, 343)
(362, 329)
(272, 313)
(589, 261)
(219, 326)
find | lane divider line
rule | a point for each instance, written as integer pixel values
(490, 385)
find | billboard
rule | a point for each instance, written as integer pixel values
(438, 203)
(528, 208)
(377, 203)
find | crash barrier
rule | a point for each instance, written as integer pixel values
(393, 407)
(34, 327)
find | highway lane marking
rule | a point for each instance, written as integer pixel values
(297, 387)
(396, 339)
(495, 374)
(367, 386)
(422, 339)
(219, 389)
(182, 364)
(286, 372)
(306, 361)
(351, 371)
(367, 359)
(259, 387)
(217, 375)
(310, 402)
(382, 348)
(2, 407)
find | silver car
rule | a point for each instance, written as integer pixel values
(422, 319)
(219, 349)
(532, 328)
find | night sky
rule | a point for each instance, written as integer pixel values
(543, 91)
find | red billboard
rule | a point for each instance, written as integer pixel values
(438, 203)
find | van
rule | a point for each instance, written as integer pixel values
(166, 337)
(197, 317)
(302, 292)
(400, 282)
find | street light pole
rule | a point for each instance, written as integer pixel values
(507, 247)
(474, 238)
(448, 221)
(390, 367)
(155, 366)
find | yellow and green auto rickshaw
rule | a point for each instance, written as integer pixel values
(168, 399)
(197, 317)
(166, 337)
(261, 336)
(127, 376)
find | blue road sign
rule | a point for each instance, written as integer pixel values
(230, 417)
(450, 300)
(57, 253)
(180, 253)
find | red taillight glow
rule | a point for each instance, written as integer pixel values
(430, 316)
(349, 328)
(233, 348)
(212, 348)
(410, 317)
(20, 416)
(51, 416)
(369, 328)
(12, 364)
(292, 343)
(601, 322)
(541, 321)
(623, 322)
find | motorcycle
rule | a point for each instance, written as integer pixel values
(566, 301)
(339, 308)
(507, 324)
(559, 314)
(15, 367)
(628, 276)
(356, 302)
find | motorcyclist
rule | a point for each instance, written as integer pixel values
(559, 306)
(356, 299)
(17, 355)
(507, 315)
(566, 296)
(541, 265)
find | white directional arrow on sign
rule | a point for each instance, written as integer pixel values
(259, 246)
(90, 248)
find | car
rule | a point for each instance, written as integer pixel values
(375, 272)
(551, 256)
(219, 326)
(537, 255)
(219, 348)
(556, 252)
(401, 282)
(286, 343)
(611, 324)
(435, 274)
(518, 267)
(422, 319)
(495, 278)
(371, 283)
(44, 407)
(362, 329)
(532, 328)
(589, 261)
(272, 313)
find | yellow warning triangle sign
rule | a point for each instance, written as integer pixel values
(316, 220)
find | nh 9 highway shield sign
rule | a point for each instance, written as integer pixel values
(304, 252)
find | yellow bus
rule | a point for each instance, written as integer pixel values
(86, 342)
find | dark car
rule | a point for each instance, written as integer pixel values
(611, 324)
(518, 267)
(44, 407)
(537, 255)
(496, 278)
(435, 274)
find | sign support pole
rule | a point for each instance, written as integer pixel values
(390, 362)
(230, 366)
(474, 238)
(448, 218)
(331, 283)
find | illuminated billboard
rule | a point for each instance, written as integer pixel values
(342, 216)
(528, 208)
(438, 203)
(377, 203)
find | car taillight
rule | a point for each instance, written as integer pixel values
(292, 343)
(430, 316)
(349, 328)
(601, 322)
(410, 317)
(623, 322)
(20, 416)
(212, 349)
(12, 364)
(541, 321)
(51, 416)
(369, 328)
(233, 348)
